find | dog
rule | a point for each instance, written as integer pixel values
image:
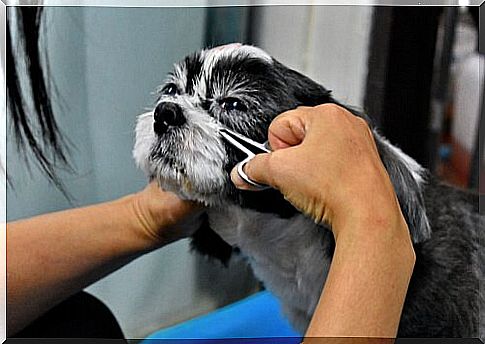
(243, 88)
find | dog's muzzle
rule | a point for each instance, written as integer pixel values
(167, 115)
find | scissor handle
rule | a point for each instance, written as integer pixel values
(245, 177)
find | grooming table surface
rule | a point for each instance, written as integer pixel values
(257, 316)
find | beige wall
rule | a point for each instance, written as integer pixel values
(327, 43)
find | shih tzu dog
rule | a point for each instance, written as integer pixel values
(243, 88)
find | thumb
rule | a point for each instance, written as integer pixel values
(257, 170)
(287, 130)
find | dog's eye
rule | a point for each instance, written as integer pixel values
(230, 104)
(170, 90)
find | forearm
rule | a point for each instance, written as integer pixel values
(366, 285)
(53, 256)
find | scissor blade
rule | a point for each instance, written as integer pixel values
(243, 143)
(236, 144)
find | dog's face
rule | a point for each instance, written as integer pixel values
(235, 86)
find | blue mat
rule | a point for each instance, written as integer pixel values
(256, 319)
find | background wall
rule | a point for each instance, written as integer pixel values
(467, 83)
(327, 43)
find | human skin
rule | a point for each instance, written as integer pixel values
(52, 256)
(325, 162)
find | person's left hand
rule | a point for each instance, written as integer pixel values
(163, 217)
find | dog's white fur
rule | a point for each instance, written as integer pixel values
(203, 156)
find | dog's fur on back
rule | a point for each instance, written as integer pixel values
(243, 88)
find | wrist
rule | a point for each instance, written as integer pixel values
(381, 237)
(139, 225)
(161, 217)
(363, 211)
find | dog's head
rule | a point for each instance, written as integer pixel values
(235, 86)
(242, 88)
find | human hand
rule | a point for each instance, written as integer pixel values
(325, 162)
(163, 217)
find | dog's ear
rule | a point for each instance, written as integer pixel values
(210, 244)
(304, 90)
(407, 177)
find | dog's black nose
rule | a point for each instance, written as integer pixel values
(167, 115)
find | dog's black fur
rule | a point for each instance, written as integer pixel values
(445, 294)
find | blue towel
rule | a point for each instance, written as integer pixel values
(255, 319)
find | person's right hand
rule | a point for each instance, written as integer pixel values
(325, 162)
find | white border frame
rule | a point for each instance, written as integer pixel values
(3, 176)
(148, 3)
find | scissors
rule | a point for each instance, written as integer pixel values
(248, 147)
